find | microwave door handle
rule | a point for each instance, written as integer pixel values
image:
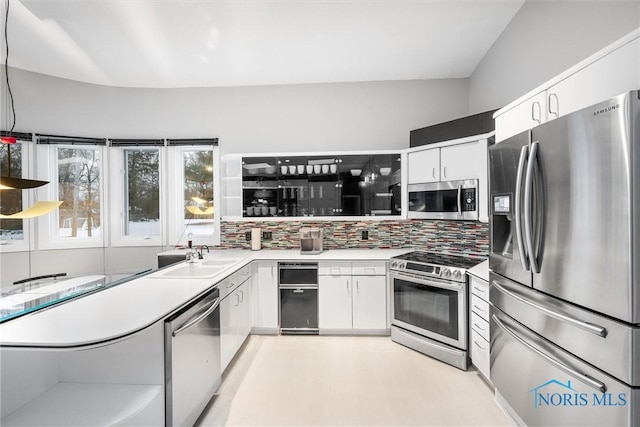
(528, 232)
(524, 258)
(459, 201)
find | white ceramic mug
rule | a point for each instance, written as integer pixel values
(317, 168)
(265, 210)
(283, 170)
(325, 168)
(273, 210)
(300, 168)
(309, 169)
(333, 168)
(250, 210)
(292, 169)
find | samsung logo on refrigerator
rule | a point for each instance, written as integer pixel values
(606, 110)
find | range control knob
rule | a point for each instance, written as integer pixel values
(446, 272)
(457, 274)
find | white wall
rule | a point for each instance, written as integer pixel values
(544, 39)
(341, 116)
(319, 117)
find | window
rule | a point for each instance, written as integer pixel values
(79, 191)
(198, 192)
(142, 192)
(192, 206)
(11, 230)
(75, 173)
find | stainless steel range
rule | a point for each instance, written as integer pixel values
(429, 308)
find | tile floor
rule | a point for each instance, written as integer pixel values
(347, 381)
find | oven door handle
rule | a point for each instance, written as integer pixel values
(452, 286)
(459, 201)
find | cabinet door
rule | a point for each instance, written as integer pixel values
(479, 353)
(521, 117)
(571, 94)
(227, 331)
(424, 166)
(265, 296)
(244, 312)
(369, 302)
(461, 161)
(334, 302)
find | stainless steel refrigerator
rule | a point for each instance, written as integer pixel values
(565, 268)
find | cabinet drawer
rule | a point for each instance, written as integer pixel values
(366, 268)
(480, 326)
(479, 287)
(480, 354)
(243, 274)
(480, 307)
(334, 269)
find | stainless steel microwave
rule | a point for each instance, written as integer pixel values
(451, 200)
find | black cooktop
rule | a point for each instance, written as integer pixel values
(445, 260)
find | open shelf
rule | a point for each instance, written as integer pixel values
(86, 404)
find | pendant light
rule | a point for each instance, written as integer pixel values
(8, 182)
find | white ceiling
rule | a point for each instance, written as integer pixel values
(185, 43)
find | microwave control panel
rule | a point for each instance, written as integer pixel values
(469, 199)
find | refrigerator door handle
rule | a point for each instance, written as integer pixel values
(459, 201)
(524, 258)
(586, 326)
(528, 232)
(591, 382)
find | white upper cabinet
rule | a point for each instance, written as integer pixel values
(526, 115)
(446, 163)
(460, 161)
(608, 73)
(424, 166)
(615, 73)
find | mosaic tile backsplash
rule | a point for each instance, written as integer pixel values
(461, 237)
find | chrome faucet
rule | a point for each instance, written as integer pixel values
(191, 256)
(201, 250)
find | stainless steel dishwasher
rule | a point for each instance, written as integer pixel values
(298, 283)
(192, 359)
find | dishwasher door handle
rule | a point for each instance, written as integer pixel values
(195, 320)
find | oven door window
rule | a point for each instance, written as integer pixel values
(428, 308)
(434, 201)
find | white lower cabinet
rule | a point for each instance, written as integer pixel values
(335, 302)
(369, 302)
(235, 321)
(265, 297)
(353, 302)
(479, 325)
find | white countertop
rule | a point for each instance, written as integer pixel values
(124, 309)
(481, 270)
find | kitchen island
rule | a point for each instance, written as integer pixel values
(79, 362)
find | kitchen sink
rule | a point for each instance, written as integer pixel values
(220, 262)
(189, 271)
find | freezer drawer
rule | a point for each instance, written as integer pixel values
(547, 386)
(608, 344)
